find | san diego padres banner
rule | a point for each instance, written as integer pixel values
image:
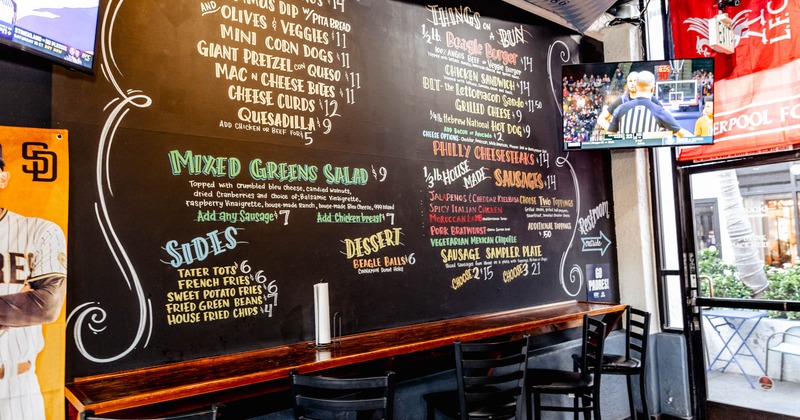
(757, 103)
(34, 176)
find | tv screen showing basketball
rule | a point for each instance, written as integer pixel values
(638, 104)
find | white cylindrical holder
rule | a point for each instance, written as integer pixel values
(323, 355)
(322, 315)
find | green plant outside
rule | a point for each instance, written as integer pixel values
(784, 283)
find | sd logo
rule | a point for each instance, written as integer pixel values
(41, 163)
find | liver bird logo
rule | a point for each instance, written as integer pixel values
(700, 25)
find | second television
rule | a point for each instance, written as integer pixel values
(63, 31)
(638, 104)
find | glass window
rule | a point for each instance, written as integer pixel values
(776, 230)
(674, 310)
(746, 242)
(668, 250)
(706, 223)
(746, 231)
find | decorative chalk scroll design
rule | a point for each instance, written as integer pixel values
(572, 284)
(564, 55)
(91, 315)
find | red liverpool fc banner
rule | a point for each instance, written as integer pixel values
(34, 177)
(756, 89)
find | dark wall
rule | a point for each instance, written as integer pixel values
(388, 155)
(25, 82)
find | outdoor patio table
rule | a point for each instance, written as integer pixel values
(733, 329)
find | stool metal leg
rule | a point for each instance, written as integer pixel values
(643, 395)
(631, 405)
(595, 401)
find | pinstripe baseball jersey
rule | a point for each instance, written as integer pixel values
(30, 247)
(641, 115)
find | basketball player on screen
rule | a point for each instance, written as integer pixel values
(604, 120)
(641, 114)
(32, 289)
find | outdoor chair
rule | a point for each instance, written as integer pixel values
(784, 342)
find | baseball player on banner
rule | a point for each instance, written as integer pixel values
(32, 290)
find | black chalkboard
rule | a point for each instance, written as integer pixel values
(231, 154)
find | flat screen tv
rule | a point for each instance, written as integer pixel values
(63, 31)
(638, 104)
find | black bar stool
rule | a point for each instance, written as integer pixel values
(315, 394)
(633, 362)
(207, 414)
(491, 382)
(583, 384)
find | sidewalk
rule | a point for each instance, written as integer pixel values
(733, 389)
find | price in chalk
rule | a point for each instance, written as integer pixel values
(326, 123)
(543, 159)
(337, 4)
(535, 268)
(272, 291)
(550, 182)
(354, 79)
(484, 273)
(524, 87)
(533, 105)
(259, 277)
(343, 58)
(285, 214)
(330, 107)
(340, 38)
(244, 267)
(380, 173)
(546, 233)
(430, 35)
(527, 64)
(349, 95)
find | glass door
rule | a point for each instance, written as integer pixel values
(741, 223)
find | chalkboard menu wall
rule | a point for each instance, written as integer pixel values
(229, 154)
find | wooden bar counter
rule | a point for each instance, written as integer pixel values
(118, 391)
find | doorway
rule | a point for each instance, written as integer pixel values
(740, 232)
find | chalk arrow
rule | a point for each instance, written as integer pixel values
(596, 243)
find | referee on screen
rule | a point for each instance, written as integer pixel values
(641, 114)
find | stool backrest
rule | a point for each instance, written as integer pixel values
(591, 357)
(637, 331)
(312, 394)
(491, 378)
(206, 414)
